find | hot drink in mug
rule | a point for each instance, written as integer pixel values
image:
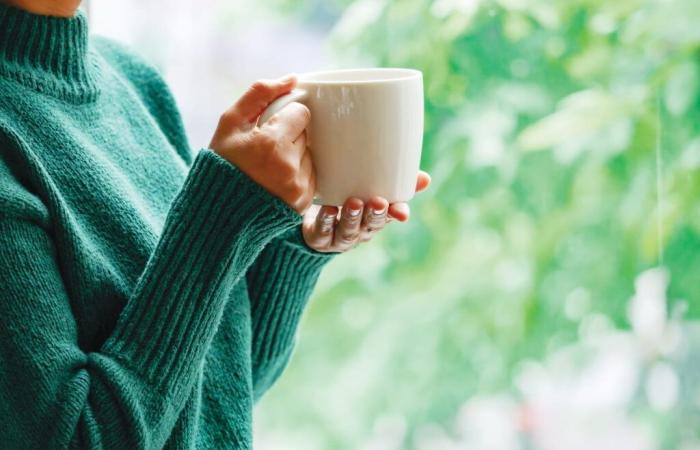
(365, 134)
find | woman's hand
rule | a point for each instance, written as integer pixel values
(274, 154)
(325, 232)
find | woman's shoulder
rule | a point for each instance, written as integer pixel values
(147, 82)
(123, 58)
(131, 66)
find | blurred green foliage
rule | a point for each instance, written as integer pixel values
(564, 143)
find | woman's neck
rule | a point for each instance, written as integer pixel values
(60, 8)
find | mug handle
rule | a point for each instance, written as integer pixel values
(281, 102)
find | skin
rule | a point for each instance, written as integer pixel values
(276, 157)
(58, 8)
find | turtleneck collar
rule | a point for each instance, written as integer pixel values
(49, 54)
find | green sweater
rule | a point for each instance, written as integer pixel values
(148, 296)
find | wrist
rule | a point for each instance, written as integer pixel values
(294, 237)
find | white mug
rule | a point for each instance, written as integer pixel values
(366, 131)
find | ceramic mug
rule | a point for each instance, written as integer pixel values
(365, 134)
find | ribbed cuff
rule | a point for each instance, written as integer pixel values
(294, 238)
(285, 278)
(265, 373)
(216, 227)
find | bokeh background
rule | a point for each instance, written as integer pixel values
(544, 294)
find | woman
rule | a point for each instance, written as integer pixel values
(148, 296)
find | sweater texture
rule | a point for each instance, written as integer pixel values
(148, 295)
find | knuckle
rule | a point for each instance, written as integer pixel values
(376, 220)
(348, 237)
(326, 225)
(304, 112)
(352, 222)
(256, 132)
(301, 140)
(287, 170)
(264, 139)
(272, 121)
(228, 117)
(376, 224)
(296, 189)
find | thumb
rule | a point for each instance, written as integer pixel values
(259, 95)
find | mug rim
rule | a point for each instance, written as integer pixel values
(375, 75)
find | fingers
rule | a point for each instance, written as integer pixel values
(306, 170)
(290, 121)
(375, 215)
(399, 211)
(321, 235)
(423, 181)
(306, 166)
(348, 230)
(299, 145)
(305, 181)
(260, 94)
(358, 223)
(301, 158)
(301, 139)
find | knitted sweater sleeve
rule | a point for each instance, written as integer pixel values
(281, 278)
(129, 392)
(280, 282)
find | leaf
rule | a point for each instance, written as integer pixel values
(582, 115)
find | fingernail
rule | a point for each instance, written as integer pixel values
(354, 212)
(377, 212)
(327, 221)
